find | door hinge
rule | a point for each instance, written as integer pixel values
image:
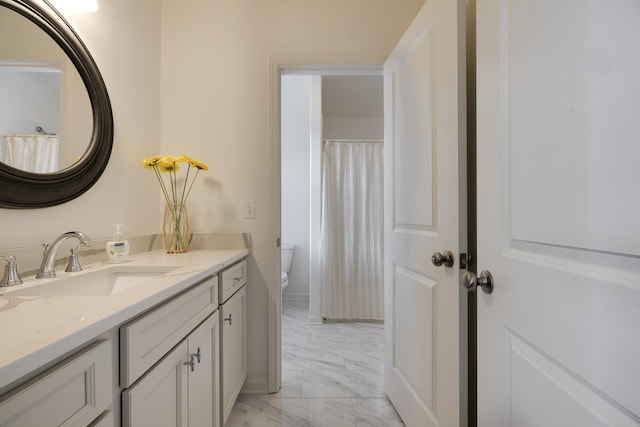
(277, 242)
(466, 260)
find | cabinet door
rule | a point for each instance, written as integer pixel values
(234, 349)
(204, 379)
(159, 398)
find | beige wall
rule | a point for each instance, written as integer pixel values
(352, 107)
(215, 105)
(123, 37)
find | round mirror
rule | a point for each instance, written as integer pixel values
(56, 125)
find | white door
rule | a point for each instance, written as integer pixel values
(424, 142)
(558, 89)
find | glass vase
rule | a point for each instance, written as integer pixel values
(175, 229)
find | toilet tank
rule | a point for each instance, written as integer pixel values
(286, 255)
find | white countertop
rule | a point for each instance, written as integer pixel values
(37, 330)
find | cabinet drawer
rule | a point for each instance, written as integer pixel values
(233, 278)
(72, 393)
(146, 340)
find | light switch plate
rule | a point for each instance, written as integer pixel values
(249, 209)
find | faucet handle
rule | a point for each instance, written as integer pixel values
(74, 264)
(45, 252)
(11, 276)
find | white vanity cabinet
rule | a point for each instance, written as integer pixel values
(170, 362)
(146, 355)
(73, 393)
(181, 390)
(233, 331)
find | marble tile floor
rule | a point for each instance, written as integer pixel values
(332, 375)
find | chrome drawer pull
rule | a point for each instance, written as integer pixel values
(191, 362)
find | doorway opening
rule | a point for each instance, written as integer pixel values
(331, 195)
(320, 344)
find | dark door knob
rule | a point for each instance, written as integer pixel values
(439, 259)
(470, 281)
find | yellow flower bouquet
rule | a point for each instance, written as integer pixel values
(176, 192)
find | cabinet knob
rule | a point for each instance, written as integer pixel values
(197, 355)
(228, 319)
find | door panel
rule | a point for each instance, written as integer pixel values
(414, 296)
(538, 385)
(413, 162)
(424, 308)
(557, 132)
(572, 137)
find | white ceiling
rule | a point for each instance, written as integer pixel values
(352, 96)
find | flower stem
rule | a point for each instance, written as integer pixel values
(191, 186)
(162, 184)
(183, 199)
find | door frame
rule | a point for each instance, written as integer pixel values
(472, 241)
(300, 65)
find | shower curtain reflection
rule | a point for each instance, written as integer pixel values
(351, 230)
(31, 153)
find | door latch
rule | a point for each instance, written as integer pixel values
(466, 260)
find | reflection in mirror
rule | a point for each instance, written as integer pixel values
(24, 189)
(45, 112)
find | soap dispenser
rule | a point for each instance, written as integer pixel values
(118, 247)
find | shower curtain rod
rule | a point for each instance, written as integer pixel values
(352, 140)
(29, 135)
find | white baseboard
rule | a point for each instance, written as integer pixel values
(316, 320)
(295, 296)
(255, 386)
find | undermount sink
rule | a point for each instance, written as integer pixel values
(107, 281)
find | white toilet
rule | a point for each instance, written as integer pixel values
(286, 255)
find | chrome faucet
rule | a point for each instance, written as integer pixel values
(11, 276)
(47, 268)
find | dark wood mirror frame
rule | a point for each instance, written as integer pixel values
(22, 190)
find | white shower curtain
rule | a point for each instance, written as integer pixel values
(32, 153)
(351, 244)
